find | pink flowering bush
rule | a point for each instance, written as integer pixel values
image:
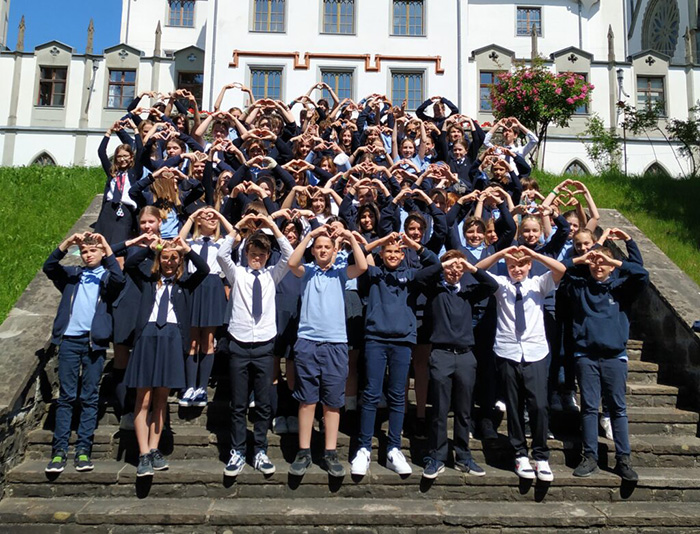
(538, 97)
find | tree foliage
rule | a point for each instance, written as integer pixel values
(539, 97)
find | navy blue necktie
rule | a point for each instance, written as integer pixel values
(257, 296)
(519, 309)
(162, 317)
(204, 252)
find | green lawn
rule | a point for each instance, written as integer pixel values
(38, 205)
(665, 209)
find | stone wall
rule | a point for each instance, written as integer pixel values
(664, 315)
(28, 369)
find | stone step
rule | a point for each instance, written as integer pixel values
(639, 372)
(193, 442)
(642, 420)
(201, 478)
(206, 515)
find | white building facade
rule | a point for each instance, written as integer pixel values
(56, 103)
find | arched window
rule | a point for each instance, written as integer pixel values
(576, 168)
(656, 168)
(661, 26)
(44, 160)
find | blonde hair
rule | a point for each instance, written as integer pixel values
(166, 195)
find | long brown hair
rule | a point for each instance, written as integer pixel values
(166, 245)
(124, 148)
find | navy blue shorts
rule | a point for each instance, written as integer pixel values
(321, 371)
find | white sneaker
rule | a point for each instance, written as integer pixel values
(127, 422)
(501, 406)
(544, 472)
(279, 425)
(293, 424)
(360, 464)
(263, 464)
(607, 427)
(396, 461)
(235, 465)
(523, 468)
(187, 396)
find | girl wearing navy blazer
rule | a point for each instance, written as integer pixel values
(208, 303)
(116, 221)
(162, 334)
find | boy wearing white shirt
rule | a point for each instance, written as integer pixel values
(251, 332)
(521, 348)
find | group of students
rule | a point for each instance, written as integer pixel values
(348, 237)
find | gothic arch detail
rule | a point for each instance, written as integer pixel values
(44, 159)
(661, 26)
(656, 168)
(576, 168)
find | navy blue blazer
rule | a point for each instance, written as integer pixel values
(180, 295)
(67, 279)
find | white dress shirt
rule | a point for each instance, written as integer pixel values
(242, 326)
(214, 246)
(530, 345)
(172, 318)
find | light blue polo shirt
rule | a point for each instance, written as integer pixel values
(322, 316)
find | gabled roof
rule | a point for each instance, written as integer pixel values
(494, 47)
(572, 50)
(57, 44)
(123, 46)
(650, 52)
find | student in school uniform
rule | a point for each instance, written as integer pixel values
(208, 303)
(116, 220)
(123, 311)
(600, 307)
(82, 329)
(521, 349)
(321, 352)
(451, 297)
(390, 335)
(251, 336)
(162, 336)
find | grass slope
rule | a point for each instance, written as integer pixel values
(38, 205)
(666, 209)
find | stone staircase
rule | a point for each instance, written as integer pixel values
(194, 496)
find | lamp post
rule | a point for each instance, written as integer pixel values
(620, 103)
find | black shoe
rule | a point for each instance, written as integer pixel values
(587, 467)
(487, 430)
(300, 464)
(57, 463)
(421, 430)
(624, 469)
(333, 465)
(82, 461)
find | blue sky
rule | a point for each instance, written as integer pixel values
(66, 21)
